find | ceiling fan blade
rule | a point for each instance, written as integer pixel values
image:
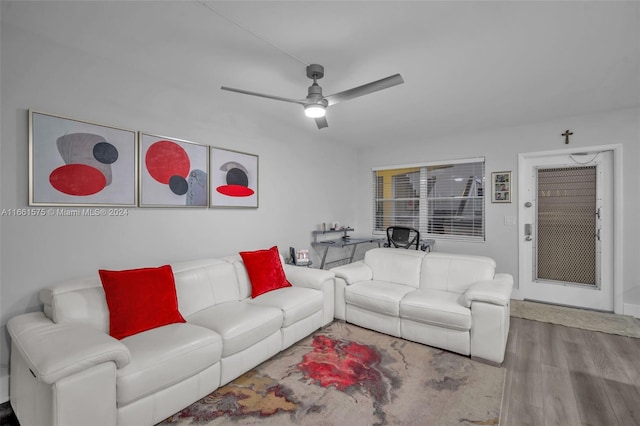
(262, 95)
(365, 89)
(321, 122)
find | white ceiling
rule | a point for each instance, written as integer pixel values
(467, 66)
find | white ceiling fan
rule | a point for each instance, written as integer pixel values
(315, 104)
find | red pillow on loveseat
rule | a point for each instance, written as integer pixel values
(265, 270)
(140, 299)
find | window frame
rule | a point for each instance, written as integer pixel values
(475, 232)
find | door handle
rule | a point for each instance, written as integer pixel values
(527, 232)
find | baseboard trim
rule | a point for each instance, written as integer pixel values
(631, 309)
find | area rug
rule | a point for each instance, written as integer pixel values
(623, 325)
(344, 374)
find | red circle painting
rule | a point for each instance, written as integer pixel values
(165, 159)
(78, 179)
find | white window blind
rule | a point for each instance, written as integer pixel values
(443, 200)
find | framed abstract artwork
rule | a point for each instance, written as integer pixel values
(501, 188)
(234, 179)
(78, 163)
(173, 172)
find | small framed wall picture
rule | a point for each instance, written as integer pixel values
(501, 187)
(79, 163)
(234, 179)
(173, 172)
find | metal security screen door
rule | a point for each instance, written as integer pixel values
(566, 213)
(566, 231)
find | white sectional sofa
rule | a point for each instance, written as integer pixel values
(66, 369)
(454, 302)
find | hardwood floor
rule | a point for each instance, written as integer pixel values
(560, 375)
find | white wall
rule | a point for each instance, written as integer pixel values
(501, 147)
(301, 183)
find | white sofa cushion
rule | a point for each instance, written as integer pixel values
(296, 303)
(394, 265)
(241, 324)
(436, 307)
(77, 301)
(164, 356)
(203, 283)
(454, 272)
(377, 296)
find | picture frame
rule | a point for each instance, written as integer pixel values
(173, 172)
(501, 187)
(80, 163)
(234, 179)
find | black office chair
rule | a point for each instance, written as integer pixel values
(402, 237)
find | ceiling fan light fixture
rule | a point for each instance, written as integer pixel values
(315, 104)
(314, 111)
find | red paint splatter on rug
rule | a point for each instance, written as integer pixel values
(345, 365)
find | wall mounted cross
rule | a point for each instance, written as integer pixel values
(566, 135)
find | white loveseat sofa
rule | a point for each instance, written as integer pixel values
(450, 301)
(67, 370)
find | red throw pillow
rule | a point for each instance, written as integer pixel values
(140, 299)
(265, 270)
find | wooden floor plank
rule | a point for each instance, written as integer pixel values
(530, 332)
(528, 372)
(560, 407)
(625, 400)
(591, 396)
(552, 353)
(627, 351)
(559, 375)
(525, 393)
(605, 361)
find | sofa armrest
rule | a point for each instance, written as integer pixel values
(496, 291)
(54, 351)
(317, 279)
(353, 272)
(307, 277)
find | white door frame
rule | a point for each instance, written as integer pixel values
(617, 231)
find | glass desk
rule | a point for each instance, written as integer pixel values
(353, 242)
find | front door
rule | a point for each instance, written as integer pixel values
(566, 213)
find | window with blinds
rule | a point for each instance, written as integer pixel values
(443, 200)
